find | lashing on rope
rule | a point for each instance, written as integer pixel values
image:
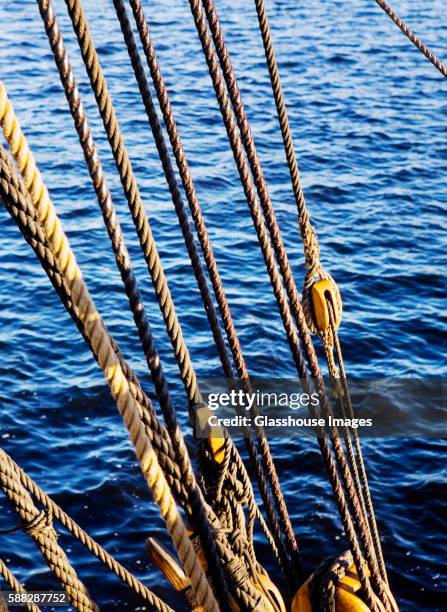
(39, 526)
(103, 100)
(182, 164)
(220, 569)
(19, 204)
(96, 549)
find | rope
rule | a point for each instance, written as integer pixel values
(365, 495)
(245, 593)
(39, 526)
(308, 234)
(111, 126)
(15, 585)
(311, 249)
(18, 204)
(108, 560)
(139, 72)
(413, 38)
(194, 205)
(129, 184)
(284, 306)
(323, 585)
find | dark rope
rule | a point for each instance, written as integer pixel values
(307, 229)
(211, 263)
(413, 38)
(111, 126)
(283, 304)
(307, 232)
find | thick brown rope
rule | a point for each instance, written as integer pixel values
(284, 307)
(310, 240)
(209, 257)
(111, 126)
(413, 38)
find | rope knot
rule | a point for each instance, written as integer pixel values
(40, 524)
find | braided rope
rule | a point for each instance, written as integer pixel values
(108, 560)
(413, 38)
(39, 527)
(15, 585)
(19, 205)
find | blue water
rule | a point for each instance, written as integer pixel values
(368, 114)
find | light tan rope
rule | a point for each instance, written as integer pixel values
(103, 350)
(15, 585)
(39, 526)
(83, 537)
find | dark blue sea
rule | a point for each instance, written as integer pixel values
(369, 119)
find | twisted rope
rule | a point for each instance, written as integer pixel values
(108, 560)
(15, 585)
(284, 307)
(207, 251)
(308, 235)
(18, 203)
(111, 126)
(413, 38)
(39, 527)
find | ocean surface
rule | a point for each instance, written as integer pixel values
(369, 119)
